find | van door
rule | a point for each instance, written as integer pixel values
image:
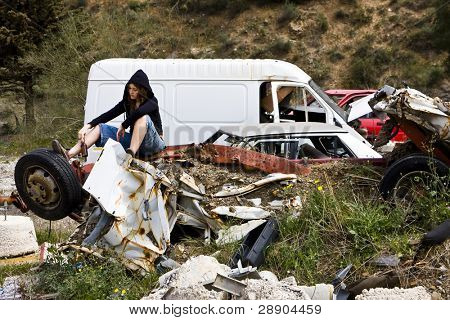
(295, 102)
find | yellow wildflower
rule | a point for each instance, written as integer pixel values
(320, 188)
(124, 291)
(116, 290)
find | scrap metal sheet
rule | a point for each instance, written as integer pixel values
(130, 190)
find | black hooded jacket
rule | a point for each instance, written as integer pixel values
(149, 106)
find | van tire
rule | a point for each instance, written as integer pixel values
(418, 163)
(47, 184)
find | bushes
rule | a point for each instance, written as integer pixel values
(322, 23)
(288, 13)
(356, 16)
(367, 64)
(420, 75)
(280, 46)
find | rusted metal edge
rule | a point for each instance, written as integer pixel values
(232, 156)
(16, 200)
(422, 140)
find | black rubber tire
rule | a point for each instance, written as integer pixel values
(411, 163)
(70, 191)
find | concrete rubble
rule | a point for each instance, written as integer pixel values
(10, 289)
(191, 280)
(271, 290)
(417, 293)
(17, 236)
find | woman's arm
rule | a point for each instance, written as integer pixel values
(117, 110)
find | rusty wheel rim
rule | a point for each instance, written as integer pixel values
(42, 187)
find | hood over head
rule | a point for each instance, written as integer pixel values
(139, 78)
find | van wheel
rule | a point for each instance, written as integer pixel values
(47, 184)
(412, 177)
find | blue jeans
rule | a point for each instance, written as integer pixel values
(151, 144)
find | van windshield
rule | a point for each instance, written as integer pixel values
(328, 100)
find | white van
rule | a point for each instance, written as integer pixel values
(197, 97)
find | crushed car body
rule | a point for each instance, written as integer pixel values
(425, 120)
(296, 141)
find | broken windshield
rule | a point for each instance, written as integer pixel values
(328, 100)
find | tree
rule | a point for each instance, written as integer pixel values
(24, 24)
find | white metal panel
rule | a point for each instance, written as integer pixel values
(198, 69)
(360, 149)
(179, 125)
(282, 128)
(210, 103)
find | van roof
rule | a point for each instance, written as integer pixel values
(198, 69)
(282, 128)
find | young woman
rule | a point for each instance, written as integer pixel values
(142, 116)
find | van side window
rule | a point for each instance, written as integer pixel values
(296, 104)
(266, 105)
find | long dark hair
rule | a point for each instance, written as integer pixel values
(142, 96)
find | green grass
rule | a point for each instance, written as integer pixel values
(55, 236)
(87, 278)
(338, 226)
(14, 270)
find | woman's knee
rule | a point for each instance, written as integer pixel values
(142, 121)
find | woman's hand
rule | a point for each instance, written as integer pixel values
(83, 131)
(120, 133)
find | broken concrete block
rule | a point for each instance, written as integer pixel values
(17, 237)
(10, 289)
(417, 293)
(268, 275)
(320, 291)
(268, 290)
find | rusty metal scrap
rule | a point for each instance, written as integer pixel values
(249, 159)
(425, 120)
(129, 190)
(16, 200)
(252, 159)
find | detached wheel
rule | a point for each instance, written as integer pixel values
(47, 184)
(412, 177)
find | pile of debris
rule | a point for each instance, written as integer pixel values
(139, 206)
